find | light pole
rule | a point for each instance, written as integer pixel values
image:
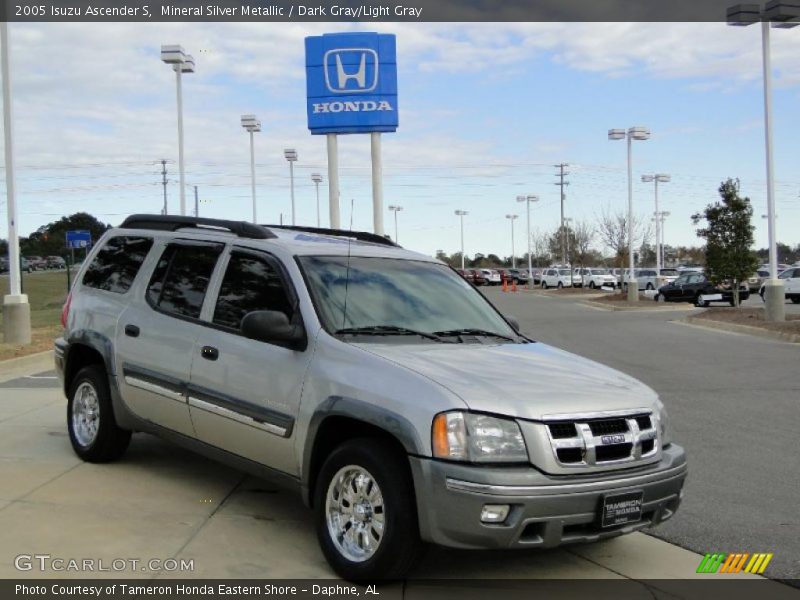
(181, 63)
(317, 179)
(656, 179)
(567, 221)
(395, 208)
(460, 214)
(528, 199)
(634, 133)
(782, 15)
(512, 218)
(252, 125)
(16, 308)
(291, 156)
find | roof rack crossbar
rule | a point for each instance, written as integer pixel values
(175, 222)
(363, 236)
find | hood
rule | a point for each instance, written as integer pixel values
(520, 380)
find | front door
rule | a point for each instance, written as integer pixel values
(244, 394)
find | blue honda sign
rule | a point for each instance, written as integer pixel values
(79, 239)
(351, 83)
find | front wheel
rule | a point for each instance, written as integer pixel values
(93, 431)
(699, 302)
(365, 511)
(659, 297)
(650, 287)
(544, 285)
(560, 285)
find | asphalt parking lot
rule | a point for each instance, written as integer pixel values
(732, 401)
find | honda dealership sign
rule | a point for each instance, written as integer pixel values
(351, 83)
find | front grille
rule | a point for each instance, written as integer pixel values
(594, 442)
(608, 427)
(613, 452)
(562, 430)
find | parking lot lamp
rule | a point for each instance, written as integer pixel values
(512, 218)
(634, 133)
(290, 155)
(780, 14)
(528, 199)
(317, 179)
(460, 214)
(252, 125)
(395, 209)
(656, 179)
(664, 214)
(181, 63)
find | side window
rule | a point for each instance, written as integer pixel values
(250, 283)
(180, 279)
(116, 264)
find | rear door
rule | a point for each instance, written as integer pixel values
(156, 334)
(244, 394)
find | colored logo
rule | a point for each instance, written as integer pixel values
(741, 562)
(346, 70)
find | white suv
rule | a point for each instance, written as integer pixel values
(559, 278)
(596, 278)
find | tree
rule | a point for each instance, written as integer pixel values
(612, 229)
(729, 237)
(50, 239)
(583, 236)
(540, 248)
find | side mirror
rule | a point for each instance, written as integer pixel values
(513, 322)
(272, 326)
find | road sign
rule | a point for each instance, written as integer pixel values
(351, 83)
(79, 239)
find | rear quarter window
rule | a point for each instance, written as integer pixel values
(115, 266)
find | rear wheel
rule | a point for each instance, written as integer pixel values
(699, 302)
(560, 285)
(660, 298)
(93, 431)
(592, 285)
(365, 511)
(544, 285)
(650, 286)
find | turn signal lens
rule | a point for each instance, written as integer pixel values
(449, 436)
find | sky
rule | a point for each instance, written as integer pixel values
(486, 111)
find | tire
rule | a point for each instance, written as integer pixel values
(560, 285)
(544, 285)
(659, 298)
(649, 287)
(592, 285)
(699, 303)
(399, 545)
(625, 288)
(93, 430)
(795, 299)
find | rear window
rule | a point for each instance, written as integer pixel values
(115, 266)
(179, 283)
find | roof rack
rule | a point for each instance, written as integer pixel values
(363, 236)
(175, 222)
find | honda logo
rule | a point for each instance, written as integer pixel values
(351, 70)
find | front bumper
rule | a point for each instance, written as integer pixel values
(546, 511)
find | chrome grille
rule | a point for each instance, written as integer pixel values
(584, 441)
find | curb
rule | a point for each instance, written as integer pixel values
(792, 338)
(32, 363)
(642, 308)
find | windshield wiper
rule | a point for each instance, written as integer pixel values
(387, 330)
(469, 331)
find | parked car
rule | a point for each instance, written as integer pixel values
(646, 279)
(597, 278)
(3, 264)
(36, 263)
(791, 284)
(577, 280)
(693, 286)
(55, 262)
(519, 275)
(668, 275)
(491, 276)
(477, 277)
(559, 278)
(233, 340)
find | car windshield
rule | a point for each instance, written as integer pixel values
(598, 271)
(367, 292)
(564, 272)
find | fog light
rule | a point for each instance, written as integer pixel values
(494, 513)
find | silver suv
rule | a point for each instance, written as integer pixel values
(344, 367)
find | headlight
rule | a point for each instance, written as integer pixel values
(663, 424)
(477, 438)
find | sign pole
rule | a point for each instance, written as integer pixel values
(16, 310)
(377, 182)
(333, 179)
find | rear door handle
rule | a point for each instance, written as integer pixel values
(209, 353)
(131, 330)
